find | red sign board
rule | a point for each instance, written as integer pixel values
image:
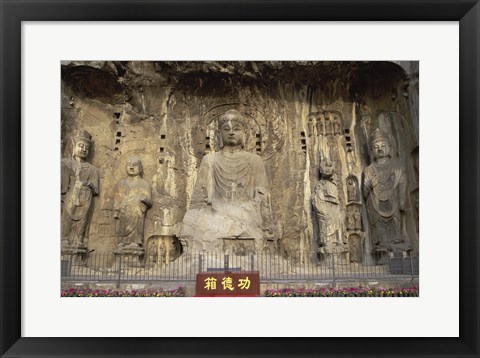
(228, 284)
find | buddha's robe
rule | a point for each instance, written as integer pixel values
(230, 199)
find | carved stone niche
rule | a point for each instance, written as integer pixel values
(240, 246)
(312, 121)
(162, 249)
(353, 194)
(355, 245)
(327, 123)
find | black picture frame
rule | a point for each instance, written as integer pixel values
(467, 12)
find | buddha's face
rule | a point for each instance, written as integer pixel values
(381, 149)
(81, 149)
(326, 169)
(134, 167)
(232, 133)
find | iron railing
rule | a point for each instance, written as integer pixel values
(104, 267)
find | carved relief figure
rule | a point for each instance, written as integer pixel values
(326, 205)
(352, 189)
(328, 126)
(354, 218)
(384, 188)
(320, 126)
(231, 197)
(336, 126)
(355, 247)
(79, 184)
(311, 125)
(131, 202)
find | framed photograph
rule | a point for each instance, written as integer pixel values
(156, 117)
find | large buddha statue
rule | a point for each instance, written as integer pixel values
(384, 188)
(79, 184)
(230, 199)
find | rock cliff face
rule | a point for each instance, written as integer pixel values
(300, 114)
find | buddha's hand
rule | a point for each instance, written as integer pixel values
(89, 185)
(367, 186)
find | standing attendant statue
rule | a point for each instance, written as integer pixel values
(79, 184)
(385, 188)
(132, 200)
(326, 204)
(230, 198)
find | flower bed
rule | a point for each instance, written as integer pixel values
(73, 292)
(344, 292)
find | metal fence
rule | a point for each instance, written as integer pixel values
(101, 267)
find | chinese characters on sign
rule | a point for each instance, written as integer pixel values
(228, 284)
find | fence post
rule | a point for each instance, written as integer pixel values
(411, 267)
(333, 270)
(252, 267)
(119, 271)
(200, 262)
(226, 268)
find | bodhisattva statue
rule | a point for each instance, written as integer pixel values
(79, 184)
(326, 204)
(384, 188)
(132, 200)
(230, 198)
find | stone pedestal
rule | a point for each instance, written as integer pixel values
(129, 256)
(162, 249)
(382, 257)
(77, 254)
(355, 247)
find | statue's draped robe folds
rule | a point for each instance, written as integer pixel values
(129, 194)
(77, 199)
(327, 208)
(230, 199)
(385, 188)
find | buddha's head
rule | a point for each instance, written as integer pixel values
(134, 166)
(326, 169)
(232, 127)
(380, 145)
(81, 144)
